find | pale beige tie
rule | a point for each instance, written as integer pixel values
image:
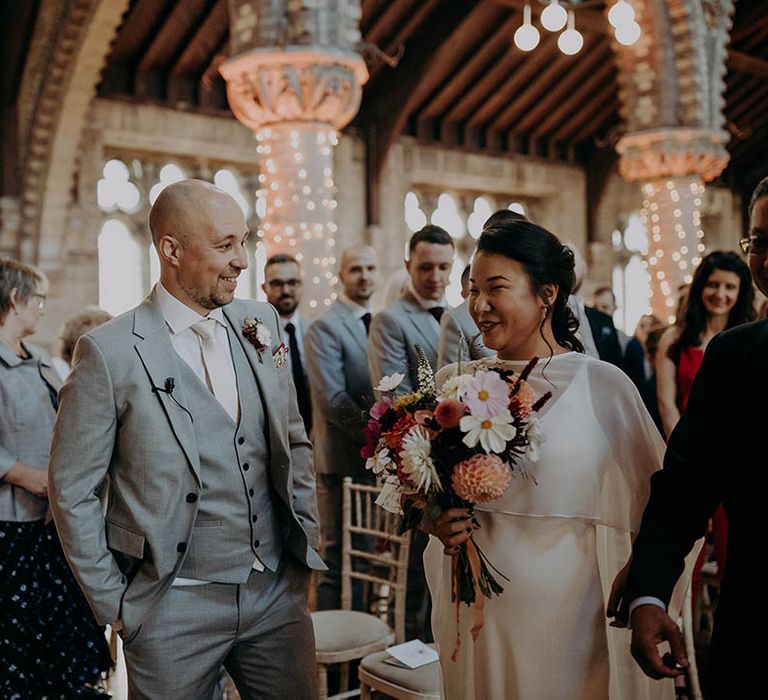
(218, 369)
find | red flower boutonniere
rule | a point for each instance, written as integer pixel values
(257, 334)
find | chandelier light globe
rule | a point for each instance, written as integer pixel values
(527, 36)
(621, 13)
(628, 34)
(570, 41)
(554, 16)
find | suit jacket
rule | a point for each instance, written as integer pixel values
(605, 335)
(337, 367)
(113, 421)
(455, 321)
(391, 343)
(716, 453)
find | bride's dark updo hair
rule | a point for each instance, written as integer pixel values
(546, 261)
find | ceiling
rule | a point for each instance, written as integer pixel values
(446, 71)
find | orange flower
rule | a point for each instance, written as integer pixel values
(394, 437)
(448, 413)
(481, 478)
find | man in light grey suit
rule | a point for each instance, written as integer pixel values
(414, 319)
(204, 555)
(337, 367)
(457, 323)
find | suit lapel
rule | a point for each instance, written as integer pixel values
(354, 326)
(266, 377)
(161, 363)
(417, 316)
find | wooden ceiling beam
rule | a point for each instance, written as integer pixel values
(477, 64)
(454, 50)
(597, 120)
(173, 34)
(578, 72)
(371, 11)
(756, 99)
(744, 63)
(587, 109)
(533, 64)
(208, 37)
(137, 30)
(539, 88)
(568, 108)
(389, 20)
(388, 105)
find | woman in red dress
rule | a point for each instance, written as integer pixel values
(721, 297)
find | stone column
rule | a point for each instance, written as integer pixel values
(295, 80)
(671, 89)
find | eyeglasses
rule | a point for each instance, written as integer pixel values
(754, 245)
(279, 284)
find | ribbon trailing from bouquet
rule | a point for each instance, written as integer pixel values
(479, 607)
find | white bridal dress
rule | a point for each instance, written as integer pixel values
(560, 542)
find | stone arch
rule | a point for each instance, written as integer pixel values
(69, 46)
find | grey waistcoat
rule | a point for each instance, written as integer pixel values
(235, 518)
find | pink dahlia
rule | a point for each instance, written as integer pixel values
(481, 478)
(448, 413)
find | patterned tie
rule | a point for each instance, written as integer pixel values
(437, 312)
(221, 380)
(299, 380)
(366, 317)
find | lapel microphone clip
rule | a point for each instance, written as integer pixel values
(170, 385)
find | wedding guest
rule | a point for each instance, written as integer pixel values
(337, 367)
(558, 538)
(204, 554)
(50, 644)
(89, 318)
(714, 457)
(282, 285)
(604, 301)
(637, 363)
(414, 319)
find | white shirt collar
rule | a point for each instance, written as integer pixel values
(357, 310)
(294, 318)
(424, 303)
(178, 315)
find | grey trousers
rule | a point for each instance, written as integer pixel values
(260, 631)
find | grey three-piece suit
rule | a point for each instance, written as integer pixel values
(190, 495)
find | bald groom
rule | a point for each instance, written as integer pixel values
(203, 557)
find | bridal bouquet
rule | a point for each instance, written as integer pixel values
(452, 449)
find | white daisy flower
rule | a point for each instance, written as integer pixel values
(492, 433)
(390, 382)
(379, 462)
(417, 461)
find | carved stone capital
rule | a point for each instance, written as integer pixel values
(650, 155)
(267, 87)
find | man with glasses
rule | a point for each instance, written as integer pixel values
(715, 454)
(282, 285)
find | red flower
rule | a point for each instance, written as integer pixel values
(448, 413)
(394, 436)
(371, 432)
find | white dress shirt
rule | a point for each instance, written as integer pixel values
(426, 304)
(357, 311)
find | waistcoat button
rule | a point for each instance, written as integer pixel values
(181, 547)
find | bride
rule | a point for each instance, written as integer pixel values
(561, 537)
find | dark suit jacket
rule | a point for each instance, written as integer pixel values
(715, 454)
(606, 338)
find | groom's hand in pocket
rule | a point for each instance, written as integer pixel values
(451, 527)
(650, 627)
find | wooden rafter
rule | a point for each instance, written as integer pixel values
(138, 29)
(568, 108)
(204, 43)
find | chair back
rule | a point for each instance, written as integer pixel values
(382, 567)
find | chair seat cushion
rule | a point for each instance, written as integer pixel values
(424, 680)
(340, 630)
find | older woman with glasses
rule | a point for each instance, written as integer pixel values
(50, 645)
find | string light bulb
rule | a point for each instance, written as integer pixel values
(621, 13)
(570, 41)
(627, 34)
(554, 16)
(526, 36)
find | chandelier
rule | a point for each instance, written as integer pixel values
(555, 17)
